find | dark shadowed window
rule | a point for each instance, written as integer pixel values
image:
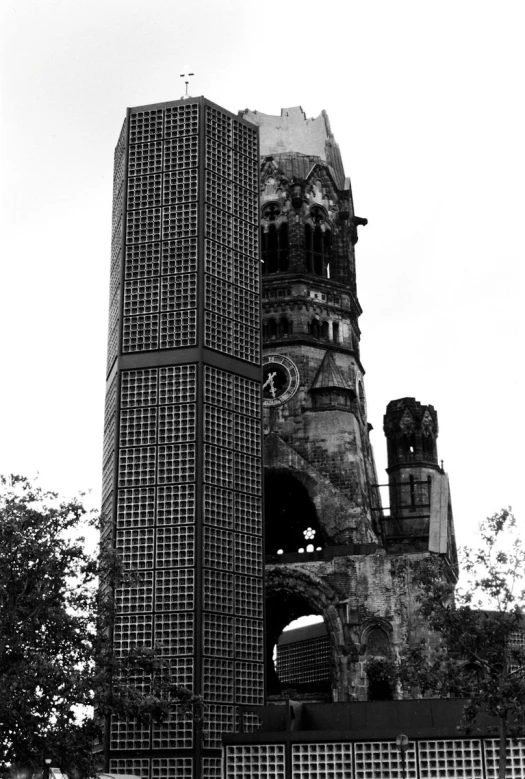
(274, 248)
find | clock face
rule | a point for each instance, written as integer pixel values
(280, 379)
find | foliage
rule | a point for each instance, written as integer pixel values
(55, 656)
(382, 674)
(381, 669)
(479, 651)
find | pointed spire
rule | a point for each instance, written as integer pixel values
(329, 376)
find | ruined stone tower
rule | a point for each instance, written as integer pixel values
(328, 541)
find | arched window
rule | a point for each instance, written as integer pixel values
(428, 445)
(291, 526)
(379, 665)
(308, 250)
(361, 393)
(317, 243)
(315, 328)
(274, 248)
(377, 643)
(285, 326)
(327, 252)
(469, 680)
(407, 446)
(412, 487)
(318, 254)
(335, 332)
(291, 523)
(270, 250)
(284, 251)
(325, 331)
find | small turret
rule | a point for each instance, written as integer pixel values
(411, 431)
(415, 480)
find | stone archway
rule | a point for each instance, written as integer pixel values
(293, 591)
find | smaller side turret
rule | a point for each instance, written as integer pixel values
(411, 431)
(419, 518)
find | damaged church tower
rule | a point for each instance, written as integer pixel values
(329, 543)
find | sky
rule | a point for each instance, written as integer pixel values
(426, 102)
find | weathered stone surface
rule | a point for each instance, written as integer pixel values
(319, 439)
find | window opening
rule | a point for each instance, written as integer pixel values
(315, 328)
(428, 448)
(285, 326)
(291, 523)
(298, 648)
(379, 666)
(317, 243)
(275, 248)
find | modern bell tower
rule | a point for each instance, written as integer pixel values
(182, 487)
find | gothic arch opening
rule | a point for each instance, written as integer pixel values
(291, 523)
(296, 658)
(274, 248)
(380, 681)
(295, 593)
(315, 328)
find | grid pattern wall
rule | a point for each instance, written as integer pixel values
(172, 768)
(155, 535)
(177, 193)
(116, 246)
(452, 758)
(232, 543)
(515, 759)
(137, 766)
(162, 227)
(231, 230)
(322, 761)
(459, 759)
(160, 286)
(265, 761)
(304, 661)
(381, 758)
(108, 454)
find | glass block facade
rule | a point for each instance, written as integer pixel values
(425, 759)
(182, 497)
(305, 661)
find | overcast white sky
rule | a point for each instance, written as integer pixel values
(426, 100)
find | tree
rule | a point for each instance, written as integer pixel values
(55, 656)
(478, 650)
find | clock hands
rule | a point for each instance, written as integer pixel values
(280, 380)
(269, 381)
